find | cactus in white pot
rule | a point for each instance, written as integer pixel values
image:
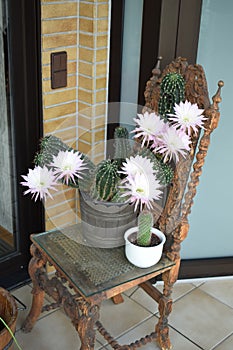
(145, 224)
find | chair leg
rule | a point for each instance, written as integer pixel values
(165, 307)
(162, 329)
(36, 264)
(118, 299)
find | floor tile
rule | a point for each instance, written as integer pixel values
(130, 291)
(197, 316)
(179, 289)
(226, 344)
(54, 332)
(220, 289)
(177, 340)
(25, 296)
(122, 317)
(141, 297)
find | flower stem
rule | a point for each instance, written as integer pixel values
(11, 333)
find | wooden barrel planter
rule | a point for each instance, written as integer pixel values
(8, 312)
(104, 223)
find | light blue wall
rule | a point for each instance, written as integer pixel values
(131, 60)
(211, 230)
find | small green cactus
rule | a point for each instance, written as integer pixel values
(50, 146)
(172, 90)
(164, 171)
(121, 144)
(106, 180)
(145, 224)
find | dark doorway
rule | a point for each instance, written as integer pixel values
(20, 129)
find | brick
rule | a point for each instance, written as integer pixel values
(86, 40)
(59, 124)
(65, 135)
(84, 135)
(84, 122)
(99, 136)
(62, 208)
(59, 10)
(86, 83)
(101, 40)
(102, 25)
(86, 68)
(59, 97)
(102, 10)
(83, 147)
(101, 69)
(86, 54)
(85, 96)
(100, 96)
(101, 83)
(58, 111)
(87, 10)
(61, 221)
(60, 25)
(58, 40)
(101, 55)
(86, 25)
(62, 196)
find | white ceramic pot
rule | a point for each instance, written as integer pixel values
(143, 256)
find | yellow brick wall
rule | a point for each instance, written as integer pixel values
(76, 113)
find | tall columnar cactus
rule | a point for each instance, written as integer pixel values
(172, 90)
(121, 144)
(106, 180)
(145, 224)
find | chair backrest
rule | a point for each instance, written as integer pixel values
(173, 220)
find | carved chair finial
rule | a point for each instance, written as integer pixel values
(156, 71)
(217, 97)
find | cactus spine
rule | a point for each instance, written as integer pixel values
(106, 180)
(145, 224)
(121, 144)
(172, 90)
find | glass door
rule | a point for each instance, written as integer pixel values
(20, 130)
(7, 177)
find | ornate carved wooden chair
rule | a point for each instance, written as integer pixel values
(83, 306)
(174, 218)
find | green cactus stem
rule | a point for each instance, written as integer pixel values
(106, 180)
(172, 90)
(121, 144)
(145, 224)
(85, 182)
(164, 171)
(50, 146)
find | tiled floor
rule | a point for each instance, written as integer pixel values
(202, 318)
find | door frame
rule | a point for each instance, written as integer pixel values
(26, 110)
